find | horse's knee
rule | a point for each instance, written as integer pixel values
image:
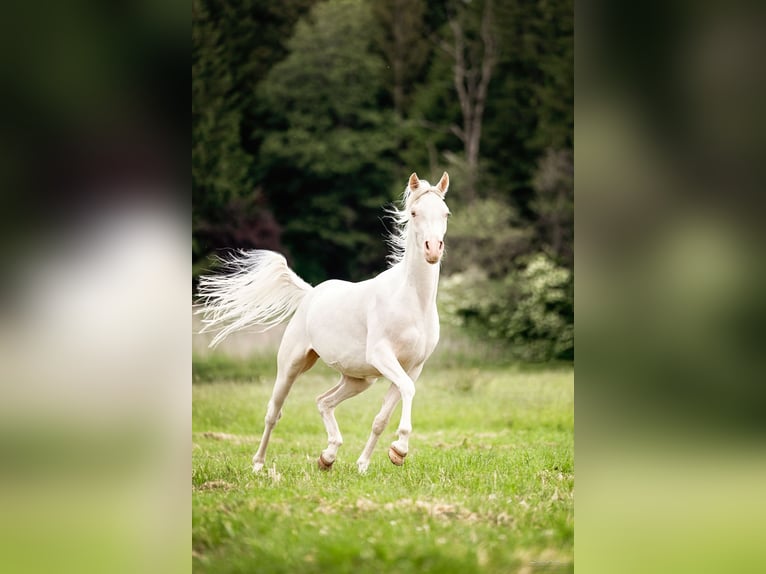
(322, 406)
(270, 421)
(379, 424)
(272, 415)
(407, 390)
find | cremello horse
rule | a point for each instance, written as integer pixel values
(383, 327)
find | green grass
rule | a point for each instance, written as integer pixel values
(487, 486)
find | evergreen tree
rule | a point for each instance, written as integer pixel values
(327, 150)
(234, 44)
(220, 167)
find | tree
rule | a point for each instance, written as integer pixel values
(234, 44)
(531, 99)
(328, 145)
(400, 38)
(554, 204)
(220, 167)
(474, 55)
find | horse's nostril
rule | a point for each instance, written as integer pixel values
(427, 245)
(441, 245)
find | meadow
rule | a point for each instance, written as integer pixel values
(488, 485)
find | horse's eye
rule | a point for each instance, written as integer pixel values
(412, 213)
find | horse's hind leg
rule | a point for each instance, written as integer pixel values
(378, 426)
(347, 387)
(290, 364)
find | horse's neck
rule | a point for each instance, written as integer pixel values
(421, 276)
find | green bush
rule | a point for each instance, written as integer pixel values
(531, 308)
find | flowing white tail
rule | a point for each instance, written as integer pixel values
(259, 289)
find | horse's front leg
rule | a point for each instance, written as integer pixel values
(381, 420)
(384, 360)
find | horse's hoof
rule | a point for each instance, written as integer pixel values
(323, 464)
(395, 456)
(257, 467)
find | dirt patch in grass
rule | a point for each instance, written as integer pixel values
(234, 438)
(215, 485)
(439, 510)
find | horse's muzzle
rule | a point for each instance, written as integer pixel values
(434, 251)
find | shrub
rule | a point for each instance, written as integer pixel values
(531, 308)
(487, 234)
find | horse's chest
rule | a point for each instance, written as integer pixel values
(414, 341)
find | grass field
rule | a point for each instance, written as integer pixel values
(487, 486)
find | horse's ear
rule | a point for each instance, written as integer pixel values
(443, 184)
(414, 181)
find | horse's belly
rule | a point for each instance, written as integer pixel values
(355, 370)
(344, 349)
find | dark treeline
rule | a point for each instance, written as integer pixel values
(308, 116)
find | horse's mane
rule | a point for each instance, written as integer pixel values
(397, 237)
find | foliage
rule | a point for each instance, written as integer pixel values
(532, 308)
(500, 289)
(333, 140)
(233, 45)
(554, 204)
(488, 485)
(531, 98)
(488, 235)
(399, 38)
(220, 167)
(308, 116)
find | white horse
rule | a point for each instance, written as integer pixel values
(387, 326)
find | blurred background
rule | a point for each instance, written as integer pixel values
(670, 308)
(309, 116)
(94, 299)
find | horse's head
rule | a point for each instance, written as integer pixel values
(428, 215)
